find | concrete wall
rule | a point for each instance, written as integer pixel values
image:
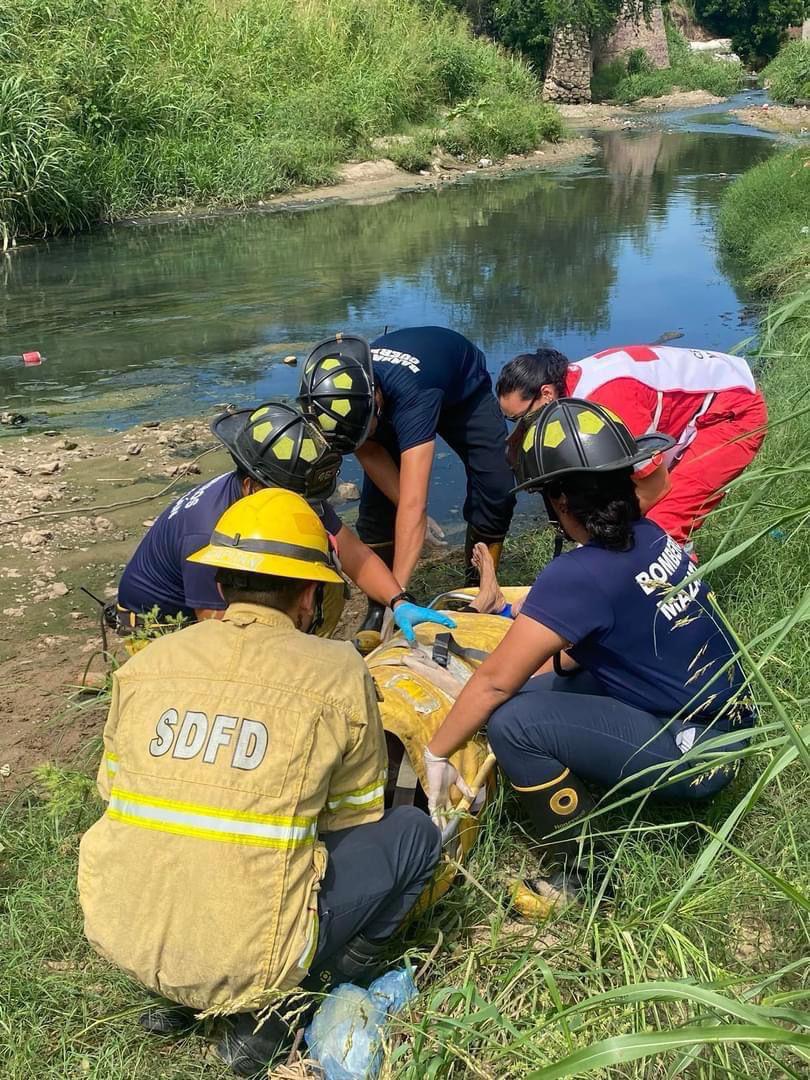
(568, 78)
(633, 32)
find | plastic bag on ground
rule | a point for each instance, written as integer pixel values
(345, 1034)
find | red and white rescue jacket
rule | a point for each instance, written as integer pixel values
(657, 388)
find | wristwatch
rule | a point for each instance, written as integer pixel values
(401, 596)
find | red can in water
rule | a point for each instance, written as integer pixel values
(31, 359)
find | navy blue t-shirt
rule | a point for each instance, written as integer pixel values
(648, 650)
(159, 572)
(422, 370)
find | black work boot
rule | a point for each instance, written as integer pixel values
(554, 811)
(373, 621)
(249, 1051)
(167, 1019)
(473, 537)
(369, 635)
(359, 961)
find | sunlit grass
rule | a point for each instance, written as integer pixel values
(121, 107)
(788, 74)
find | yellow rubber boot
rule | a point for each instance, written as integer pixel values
(554, 808)
(366, 641)
(537, 898)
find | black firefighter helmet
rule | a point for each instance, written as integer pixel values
(280, 447)
(571, 435)
(337, 391)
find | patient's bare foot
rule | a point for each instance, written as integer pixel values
(490, 600)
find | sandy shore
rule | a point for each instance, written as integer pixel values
(783, 119)
(596, 116)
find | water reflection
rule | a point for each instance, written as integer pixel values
(167, 319)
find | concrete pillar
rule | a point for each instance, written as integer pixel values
(568, 78)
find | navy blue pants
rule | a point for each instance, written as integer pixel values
(476, 431)
(374, 876)
(554, 723)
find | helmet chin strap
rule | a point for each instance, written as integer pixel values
(317, 617)
(561, 535)
(559, 539)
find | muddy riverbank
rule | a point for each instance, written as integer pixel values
(60, 529)
(379, 179)
(372, 180)
(598, 116)
(781, 119)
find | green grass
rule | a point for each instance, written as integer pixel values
(627, 80)
(116, 107)
(772, 256)
(413, 152)
(788, 74)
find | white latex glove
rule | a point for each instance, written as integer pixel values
(434, 535)
(440, 775)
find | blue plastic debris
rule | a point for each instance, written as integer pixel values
(345, 1034)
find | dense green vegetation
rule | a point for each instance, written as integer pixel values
(112, 107)
(774, 256)
(788, 74)
(632, 78)
(756, 27)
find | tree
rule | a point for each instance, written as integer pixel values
(756, 27)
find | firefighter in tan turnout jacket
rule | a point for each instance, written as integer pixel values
(245, 848)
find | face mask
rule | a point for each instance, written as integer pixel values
(514, 442)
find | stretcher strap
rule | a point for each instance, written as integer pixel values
(560, 670)
(445, 644)
(407, 781)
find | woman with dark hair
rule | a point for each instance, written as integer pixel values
(636, 667)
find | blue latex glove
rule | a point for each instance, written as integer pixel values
(408, 615)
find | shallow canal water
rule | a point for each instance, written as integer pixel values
(166, 320)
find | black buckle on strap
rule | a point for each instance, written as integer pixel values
(441, 650)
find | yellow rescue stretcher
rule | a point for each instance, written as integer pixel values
(416, 688)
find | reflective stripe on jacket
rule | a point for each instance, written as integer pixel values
(229, 746)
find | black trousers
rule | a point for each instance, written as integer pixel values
(553, 723)
(476, 431)
(374, 876)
